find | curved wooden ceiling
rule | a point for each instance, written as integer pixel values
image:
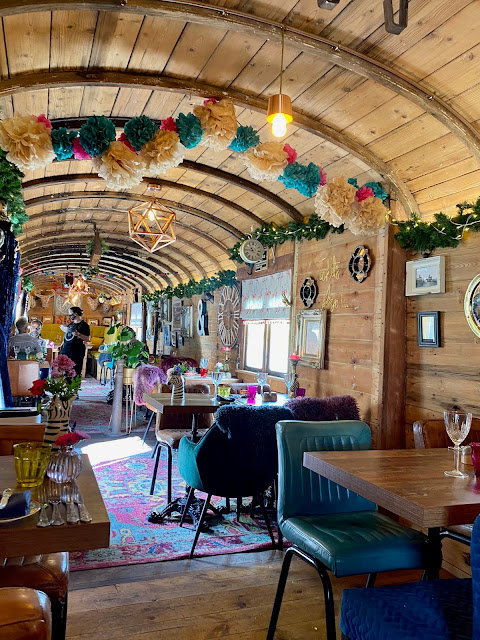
(367, 104)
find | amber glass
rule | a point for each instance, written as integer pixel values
(31, 462)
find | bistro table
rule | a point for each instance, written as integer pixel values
(23, 537)
(407, 482)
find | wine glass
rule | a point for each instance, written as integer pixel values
(16, 351)
(458, 426)
(262, 379)
(203, 363)
(217, 377)
(289, 380)
(27, 351)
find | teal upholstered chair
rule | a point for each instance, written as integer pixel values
(332, 528)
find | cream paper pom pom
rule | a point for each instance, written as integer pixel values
(120, 167)
(369, 216)
(266, 161)
(219, 123)
(27, 141)
(333, 202)
(163, 152)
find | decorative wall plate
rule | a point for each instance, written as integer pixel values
(308, 292)
(472, 305)
(251, 250)
(228, 315)
(360, 264)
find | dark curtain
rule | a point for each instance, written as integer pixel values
(9, 270)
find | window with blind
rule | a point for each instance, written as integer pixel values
(266, 320)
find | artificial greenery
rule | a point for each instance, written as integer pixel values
(91, 243)
(444, 231)
(89, 272)
(11, 192)
(193, 287)
(27, 283)
(128, 348)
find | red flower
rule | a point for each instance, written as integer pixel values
(38, 387)
(70, 438)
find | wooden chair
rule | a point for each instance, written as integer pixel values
(22, 374)
(24, 613)
(13, 434)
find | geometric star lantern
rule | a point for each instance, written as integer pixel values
(151, 225)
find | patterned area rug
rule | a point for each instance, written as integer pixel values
(91, 388)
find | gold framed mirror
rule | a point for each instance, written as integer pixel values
(472, 305)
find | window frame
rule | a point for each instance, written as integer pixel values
(266, 345)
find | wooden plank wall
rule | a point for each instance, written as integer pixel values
(439, 379)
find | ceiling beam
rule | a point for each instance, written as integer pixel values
(51, 80)
(49, 181)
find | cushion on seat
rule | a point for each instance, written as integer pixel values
(356, 542)
(47, 573)
(172, 437)
(427, 610)
(24, 614)
(324, 409)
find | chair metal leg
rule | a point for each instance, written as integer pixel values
(155, 449)
(148, 428)
(371, 579)
(169, 475)
(282, 581)
(155, 469)
(227, 504)
(329, 603)
(261, 502)
(239, 506)
(199, 526)
(191, 493)
(280, 536)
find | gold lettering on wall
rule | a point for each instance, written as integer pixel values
(330, 303)
(331, 271)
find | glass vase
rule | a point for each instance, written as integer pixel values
(65, 465)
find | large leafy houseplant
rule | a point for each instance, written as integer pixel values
(133, 353)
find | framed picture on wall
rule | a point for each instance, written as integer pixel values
(310, 338)
(106, 322)
(167, 340)
(174, 339)
(47, 320)
(176, 315)
(93, 322)
(179, 340)
(428, 328)
(425, 276)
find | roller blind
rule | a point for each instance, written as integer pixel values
(262, 297)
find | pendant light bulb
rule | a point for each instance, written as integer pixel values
(279, 111)
(279, 125)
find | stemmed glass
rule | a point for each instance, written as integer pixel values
(289, 380)
(262, 379)
(457, 426)
(217, 377)
(16, 351)
(27, 351)
(203, 363)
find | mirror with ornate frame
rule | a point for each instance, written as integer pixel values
(472, 305)
(310, 337)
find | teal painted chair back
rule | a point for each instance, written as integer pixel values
(302, 492)
(475, 561)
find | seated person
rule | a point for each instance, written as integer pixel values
(23, 339)
(35, 331)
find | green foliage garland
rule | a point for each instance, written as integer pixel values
(27, 283)
(91, 243)
(424, 237)
(193, 287)
(11, 191)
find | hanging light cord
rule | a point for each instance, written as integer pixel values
(281, 63)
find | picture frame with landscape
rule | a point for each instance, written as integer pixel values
(425, 276)
(428, 328)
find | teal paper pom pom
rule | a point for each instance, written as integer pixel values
(62, 142)
(354, 182)
(97, 134)
(139, 131)
(304, 179)
(189, 130)
(377, 189)
(246, 137)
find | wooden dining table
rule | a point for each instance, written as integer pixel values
(23, 537)
(409, 483)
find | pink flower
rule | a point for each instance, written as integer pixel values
(70, 438)
(43, 118)
(63, 365)
(123, 138)
(212, 100)
(363, 193)
(291, 153)
(294, 356)
(71, 374)
(79, 152)
(323, 177)
(168, 124)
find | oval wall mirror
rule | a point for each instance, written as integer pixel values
(472, 305)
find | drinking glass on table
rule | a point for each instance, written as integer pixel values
(458, 426)
(203, 363)
(16, 351)
(262, 379)
(217, 377)
(289, 380)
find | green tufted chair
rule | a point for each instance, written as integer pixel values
(332, 528)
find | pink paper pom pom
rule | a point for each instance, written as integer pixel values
(323, 177)
(291, 153)
(123, 138)
(212, 100)
(363, 193)
(168, 124)
(43, 118)
(79, 152)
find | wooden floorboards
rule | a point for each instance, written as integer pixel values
(227, 596)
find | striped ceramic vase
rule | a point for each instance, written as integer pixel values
(177, 382)
(58, 419)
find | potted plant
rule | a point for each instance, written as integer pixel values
(132, 351)
(62, 385)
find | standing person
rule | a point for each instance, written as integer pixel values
(23, 340)
(76, 335)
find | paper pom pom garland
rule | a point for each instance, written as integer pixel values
(97, 134)
(79, 152)
(266, 161)
(139, 131)
(218, 121)
(291, 153)
(189, 130)
(168, 124)
(363, 193)
(120, 167)
(377, 189)
(123, 138)
(62, 142)
(368, 216)
(333, 202)
(246, 137)
(27, 141)
(163, 152)
(305, 179)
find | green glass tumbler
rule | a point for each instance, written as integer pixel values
(31, 462)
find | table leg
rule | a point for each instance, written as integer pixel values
(194, 434)
(434, 549)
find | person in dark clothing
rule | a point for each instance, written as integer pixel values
(76, 335)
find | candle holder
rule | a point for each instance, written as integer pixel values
(294, 358)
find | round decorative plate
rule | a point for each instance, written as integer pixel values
(251, 250)
(308, 292)
(228, 315)
(34, 507)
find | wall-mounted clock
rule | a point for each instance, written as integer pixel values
(308, 292)
(228, 315)
(251, 250)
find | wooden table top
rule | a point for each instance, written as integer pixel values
(407, 482)
(25, 538)
(193, 403)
